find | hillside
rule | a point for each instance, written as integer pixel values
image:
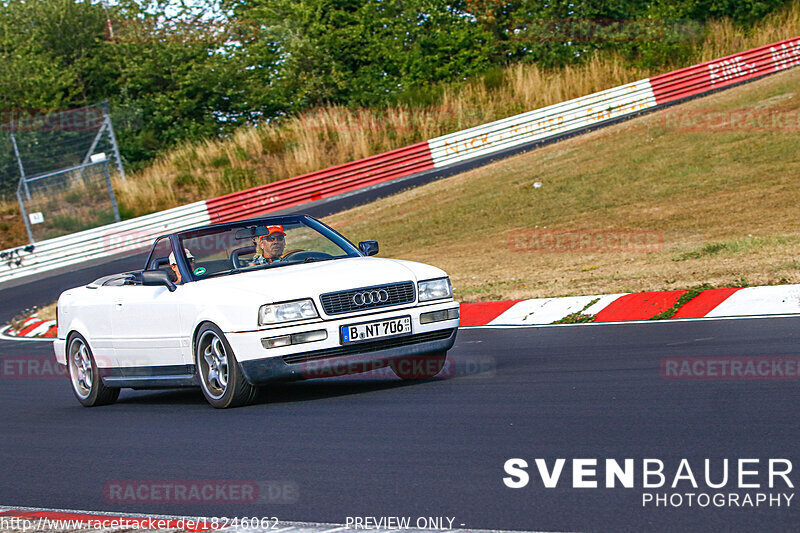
(715, 205)
(326, 136)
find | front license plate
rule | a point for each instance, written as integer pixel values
(377, 329)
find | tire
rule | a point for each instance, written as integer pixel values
(221, 379)
(87, 385)
(419, 367)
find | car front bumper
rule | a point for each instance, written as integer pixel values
(331, 357)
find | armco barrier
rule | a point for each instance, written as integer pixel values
(613, 103)
(719, 73)
(481, 141)
(541, 123)
(321, 184)
(105, 241)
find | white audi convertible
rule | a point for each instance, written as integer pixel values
(234, 306)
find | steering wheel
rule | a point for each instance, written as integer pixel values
(304, 255)
(238, 262)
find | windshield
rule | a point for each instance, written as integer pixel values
(267, 243)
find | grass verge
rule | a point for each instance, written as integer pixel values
(579, 317)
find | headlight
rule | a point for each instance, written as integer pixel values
(435, 289)
(286, 312)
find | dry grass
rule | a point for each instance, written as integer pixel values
(724, 202)
(329, 136)
(725, 39)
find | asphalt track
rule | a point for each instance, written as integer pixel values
(375, 446)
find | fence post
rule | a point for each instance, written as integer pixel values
(19, 163)
(111, 191)
(107, 116)
(25, 214)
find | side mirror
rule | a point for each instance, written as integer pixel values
(158, 277)
(368, 247)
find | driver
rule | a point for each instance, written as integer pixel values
(174, 266)
(269, 245)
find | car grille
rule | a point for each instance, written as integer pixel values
(366, 347)
(336, 303)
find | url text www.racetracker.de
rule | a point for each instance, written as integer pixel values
(703, 483)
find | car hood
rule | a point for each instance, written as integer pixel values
(310, 280)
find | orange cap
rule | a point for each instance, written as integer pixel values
(273, 230)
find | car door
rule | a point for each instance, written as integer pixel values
(145, 323)
(95, 313)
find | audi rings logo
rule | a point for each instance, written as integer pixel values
(370, 297)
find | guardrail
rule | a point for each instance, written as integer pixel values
(542, 123)
(105, 241)
(481, 141)
(321, 184)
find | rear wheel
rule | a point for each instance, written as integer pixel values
(220, 377)
(84, 375)
(419, 366)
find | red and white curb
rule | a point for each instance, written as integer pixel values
(31, 519)
(751, 302)
(33, 327)
(777, 300)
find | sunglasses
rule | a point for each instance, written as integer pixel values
(273, 238)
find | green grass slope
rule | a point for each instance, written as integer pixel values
(711, 186)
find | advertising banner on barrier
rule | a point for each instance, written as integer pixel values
(698, 79)
(542, 123)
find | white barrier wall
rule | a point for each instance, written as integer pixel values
(542, 123)
(106, 241)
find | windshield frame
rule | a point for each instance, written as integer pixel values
(350, 249)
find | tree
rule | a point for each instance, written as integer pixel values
(360, 52)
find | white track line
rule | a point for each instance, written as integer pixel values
(665, 321)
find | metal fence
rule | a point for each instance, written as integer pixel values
(67, 201)
(40, 142)
(39, 154)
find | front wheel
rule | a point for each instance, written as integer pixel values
(220, 377)
(84, 376)
(419, 366)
